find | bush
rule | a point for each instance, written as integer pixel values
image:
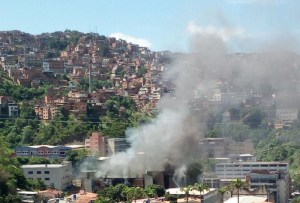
(171, 198)
(160, 190)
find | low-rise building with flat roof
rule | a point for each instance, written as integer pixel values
(58, 176)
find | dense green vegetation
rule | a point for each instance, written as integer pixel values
(20, 93)
(122, 192)
(28, 129)
(270, 144)
(11, 175)
(119, 114)
(96, 84)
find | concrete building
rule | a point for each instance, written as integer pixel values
(286, 116)
(241, 169)
(47, 151)
(55, 66)
(97, 143)
(247, 199)
(115, 145)
(10, 66)
(224, 147)
(13, 109)
(272, 175)
(56, 175)
(207, 196)
(277, 183)
(32, 60)
(29, 196)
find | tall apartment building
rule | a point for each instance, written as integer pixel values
(56, 175)
(97, 143)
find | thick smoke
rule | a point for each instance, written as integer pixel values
(173, 137)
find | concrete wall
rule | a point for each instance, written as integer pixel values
(58, 175)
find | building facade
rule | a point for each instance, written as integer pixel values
(241, 169)
(273, 175)
(97, 143)
(58, 176)
(46, 151)
(276, 182)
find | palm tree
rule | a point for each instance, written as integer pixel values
(186, 191)
(200, 187)
(238, 184)
(222, 191)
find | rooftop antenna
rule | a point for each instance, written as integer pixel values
(90, 77)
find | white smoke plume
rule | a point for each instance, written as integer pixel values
(173, 137)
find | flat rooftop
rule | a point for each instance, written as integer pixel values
(252, 162)
(177, 191)
(44, 166)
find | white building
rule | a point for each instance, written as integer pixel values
(276, 182)
(46, 66)
(241, 169)
(273, 175)
(286, 115)
(57, 175)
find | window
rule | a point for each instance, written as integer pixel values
(46, 172)
(30, 172)
(38, 172)
(47, 178)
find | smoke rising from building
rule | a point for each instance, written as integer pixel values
(173, 137)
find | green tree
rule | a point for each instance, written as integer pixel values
(37, 184)
(76, 156)
(254, 117)
(187, 191)
(134, 193)
(113, 193)
(222, 191)
(113, 127)
(141, 71)
(27, 135)
(296, 200)
(200, 187)
(193, 171)
(238, 184)
(38, 160)
(159, 190)
(27, 111)
(104, 200)
(150, 193)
